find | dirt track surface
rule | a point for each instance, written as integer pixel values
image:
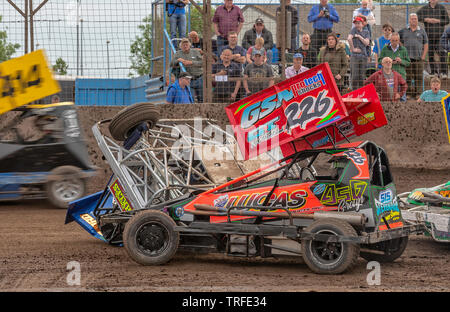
(36, 246)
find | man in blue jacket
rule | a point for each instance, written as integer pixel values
(179, 92)
(322, 16)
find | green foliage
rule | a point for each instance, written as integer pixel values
(197, 20)
(141, 49)
(60, 68)
(6, 49)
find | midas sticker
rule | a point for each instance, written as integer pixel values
(117, 191)
(25, 79)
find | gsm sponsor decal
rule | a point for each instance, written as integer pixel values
(117, 191)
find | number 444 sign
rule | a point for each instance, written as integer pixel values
(25, 79)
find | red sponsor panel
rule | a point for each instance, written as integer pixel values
(365, 114)
(289, 110)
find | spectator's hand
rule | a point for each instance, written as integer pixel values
(398, 60)
(222, 72)
(322, 13)
(397, 96)
(233, 95)
(247, 91)
(356, 50)
(419, 100)
(338, 77)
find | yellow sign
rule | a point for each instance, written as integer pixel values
(117, 191)
(25, 79)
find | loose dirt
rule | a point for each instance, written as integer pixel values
(36, 249)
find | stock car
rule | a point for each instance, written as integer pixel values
(327, 202)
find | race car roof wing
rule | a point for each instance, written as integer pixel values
(303, 112)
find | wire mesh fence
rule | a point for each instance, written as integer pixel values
(118, 39)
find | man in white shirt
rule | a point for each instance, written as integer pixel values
(297, 67)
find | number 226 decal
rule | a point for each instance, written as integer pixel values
(309, 109)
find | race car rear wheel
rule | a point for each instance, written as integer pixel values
(65, 185)
(392, 249)
(150, 238)
(330, 257)
(123, 123)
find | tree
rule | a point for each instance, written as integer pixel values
(6, 49)
(60, 67)
(141, 49)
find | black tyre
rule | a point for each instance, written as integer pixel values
(127, 119)
(65, 184)
(328, 257)
(150, 239)
(392, 249)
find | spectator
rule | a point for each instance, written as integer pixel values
(294, 22)
(228, 17)
(259, 31)
(389, 84)
(365, 11)
(322, 15)
(415, 40)
(435, 94)
(196, 41)
(259, 45)
(259, 72)
(359, 40)
(309, 53)
(297, 67)
(226, 91)
(397, 53)
(445, 40)
(179, 92)
(382, 41)
(334, 54)
(238, 52)
(55, 99)
(192, 61)
(434, 16)
(177, 17)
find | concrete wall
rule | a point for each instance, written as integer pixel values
(415, 136)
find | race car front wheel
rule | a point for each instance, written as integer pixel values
(150, 238)
(330, 257)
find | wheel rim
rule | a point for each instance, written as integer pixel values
(327, 253)
(68, 190)
(152, 238)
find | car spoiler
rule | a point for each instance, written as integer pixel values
(303, 112)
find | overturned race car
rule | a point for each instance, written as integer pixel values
(327, 202)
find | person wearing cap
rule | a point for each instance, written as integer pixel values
(297, 67)
(294, 22)
(259, 31)
(193, 63)
(179, 92)
(322, 16)
(227, 17)
(359, 40)
(382, 41)
(259, 70)
(334, 54)
(364, 10)
(389, 84)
